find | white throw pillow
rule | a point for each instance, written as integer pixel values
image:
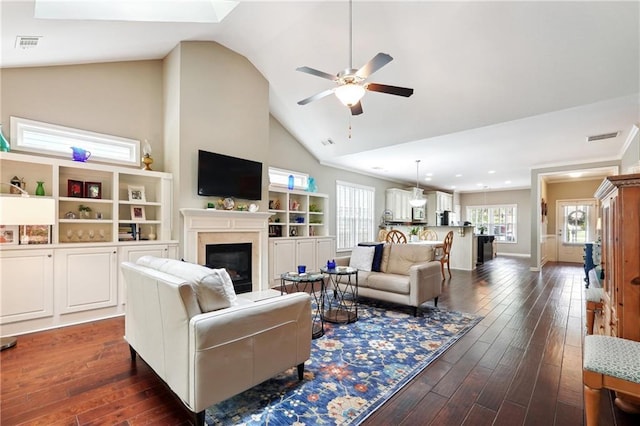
(362, 258)
(213, 287)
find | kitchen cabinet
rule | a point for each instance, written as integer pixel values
(397, 202)
(437, 202)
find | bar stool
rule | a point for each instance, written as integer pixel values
(608, 363)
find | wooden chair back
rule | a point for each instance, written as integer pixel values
(428, 235)
(396, 237)
(382, 235)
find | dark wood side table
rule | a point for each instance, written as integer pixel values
(342, 308)
(308, 283)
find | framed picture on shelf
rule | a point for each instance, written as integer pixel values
(35, 234)
(75, 188)
(137, 213)
(93, 190)
(136, 193)
(9, 234)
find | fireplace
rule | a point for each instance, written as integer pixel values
(236, 259)
(203, 227)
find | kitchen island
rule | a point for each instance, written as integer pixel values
(464, 249)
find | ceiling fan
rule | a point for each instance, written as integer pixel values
(351, 83)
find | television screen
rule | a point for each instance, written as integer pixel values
(226, 176)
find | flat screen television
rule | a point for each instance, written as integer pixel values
(225, 176)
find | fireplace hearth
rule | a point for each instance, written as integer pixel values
(236, 259)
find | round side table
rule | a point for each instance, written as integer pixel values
(342, 306)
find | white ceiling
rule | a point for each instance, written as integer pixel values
(499, 86)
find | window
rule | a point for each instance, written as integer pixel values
(355, 215)
(51, 139)
(280, 177)
(499, 221)
(578, 221)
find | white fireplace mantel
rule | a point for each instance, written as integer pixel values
(203, 226)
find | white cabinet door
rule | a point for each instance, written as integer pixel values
(86, 278)
(306, 254)
(282, 258)
(27, 285)
(397, 200)
(325, 250)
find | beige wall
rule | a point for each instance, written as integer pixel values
(215, 101)
(582, 189)
(521, 198)
(119, 98)
(631, 157)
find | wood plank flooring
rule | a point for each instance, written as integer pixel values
(520, 366)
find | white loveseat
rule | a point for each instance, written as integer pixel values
(207, 357)
(406, 274)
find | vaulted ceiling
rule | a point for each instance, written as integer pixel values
(500, 87)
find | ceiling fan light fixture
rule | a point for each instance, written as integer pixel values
(350, 93)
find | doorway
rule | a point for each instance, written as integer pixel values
(576, 223)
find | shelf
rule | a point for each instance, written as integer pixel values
(62, 177)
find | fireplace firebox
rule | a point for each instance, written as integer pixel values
(236, 259)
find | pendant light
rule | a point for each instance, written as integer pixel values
(417, 200)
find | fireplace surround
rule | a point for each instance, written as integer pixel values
(202, 227)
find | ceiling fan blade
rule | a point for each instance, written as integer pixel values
(317, 73)
(316, 97)
(392, 90)
(377, 62)
(356, 109)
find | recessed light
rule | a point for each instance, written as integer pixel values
(453, 187)
(458, 175)
(575, 174)
(507, 182)
(479, 184)
(427, 178)
(429, 174)
(491, 172)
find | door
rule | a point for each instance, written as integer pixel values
(576, 223)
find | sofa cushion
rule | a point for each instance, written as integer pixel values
(213, 287)
(403, 256)
(362, 258)
(377, 255)
(392, 283)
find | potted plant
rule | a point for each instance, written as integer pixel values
(482, 229)
(413, 233)
(84, 211)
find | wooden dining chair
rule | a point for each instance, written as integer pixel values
(443, 257)
(396, 237)
(428, 235)
(382, 235)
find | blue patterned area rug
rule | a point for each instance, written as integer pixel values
(354, 368)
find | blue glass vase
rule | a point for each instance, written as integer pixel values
(291, 182)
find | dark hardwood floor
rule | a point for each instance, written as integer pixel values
(520, 365)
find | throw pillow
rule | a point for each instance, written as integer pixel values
(362, 258)
(377, 255)
(213, 287)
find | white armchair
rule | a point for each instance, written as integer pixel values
(207, 357)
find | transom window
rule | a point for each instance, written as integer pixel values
(280, 177)
(355, 214)
(499, 221)
(51, 139)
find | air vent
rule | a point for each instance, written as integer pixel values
(27, 42)
(327, 142)
(602, 136)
